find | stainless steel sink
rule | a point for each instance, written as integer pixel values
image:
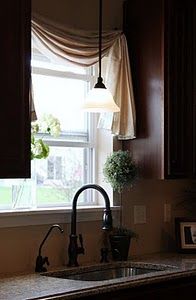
(112, 273)
(104, 272)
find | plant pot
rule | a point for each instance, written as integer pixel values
(119, 246)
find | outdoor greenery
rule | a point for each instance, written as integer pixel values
(44, 196)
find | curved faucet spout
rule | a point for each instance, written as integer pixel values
(41, 261)
(74, 250)
(107, 217)
(53, 226)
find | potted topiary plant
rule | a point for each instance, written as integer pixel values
(120, 239)
(121, 172)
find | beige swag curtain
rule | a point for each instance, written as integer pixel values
(81, 48)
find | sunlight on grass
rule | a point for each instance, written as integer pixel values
(51, 196)
(5, 196)
(45, 195)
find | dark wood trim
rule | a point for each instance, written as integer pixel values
(15, 29)
(161, 40)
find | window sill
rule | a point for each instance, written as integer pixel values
(50, 216)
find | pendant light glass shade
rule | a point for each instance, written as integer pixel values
(99, 98)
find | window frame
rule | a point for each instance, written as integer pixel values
(91, 143)
(48, 215)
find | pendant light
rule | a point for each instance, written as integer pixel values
(99, 98)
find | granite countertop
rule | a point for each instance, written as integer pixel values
(35, 286)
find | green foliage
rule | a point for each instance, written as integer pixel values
(39, 149)
(46, 125)
(120, 170)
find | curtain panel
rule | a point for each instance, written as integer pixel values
(81, 47)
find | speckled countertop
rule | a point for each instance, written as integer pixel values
(35, 286)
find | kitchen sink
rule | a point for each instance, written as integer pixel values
(108, 274)
(105, 272)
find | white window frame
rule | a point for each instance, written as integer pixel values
(26, 217)
(91, 144)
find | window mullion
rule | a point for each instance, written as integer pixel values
(62, 74)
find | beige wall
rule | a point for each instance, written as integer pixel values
(156, 235)
(19, 246)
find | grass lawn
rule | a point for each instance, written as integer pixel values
(45, 195)
(5, 196)
(52, 195)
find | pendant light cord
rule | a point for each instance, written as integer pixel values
(99, 83)
(107, 103)
(100, 35)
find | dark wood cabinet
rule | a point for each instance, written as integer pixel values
(161, 37)
(178, 289)
(15, 33)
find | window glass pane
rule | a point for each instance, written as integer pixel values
(15, 193)
(41, 61)
(59, 89)
(61, 97)
(60, 175)
(5, 193)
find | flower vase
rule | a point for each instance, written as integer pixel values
(24, 191)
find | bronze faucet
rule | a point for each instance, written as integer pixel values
(73, 249)
(41, 261)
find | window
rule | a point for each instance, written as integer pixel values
(58, 90)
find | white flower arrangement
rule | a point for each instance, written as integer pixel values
(46, 125)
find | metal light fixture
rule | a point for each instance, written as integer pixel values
(99, 98)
